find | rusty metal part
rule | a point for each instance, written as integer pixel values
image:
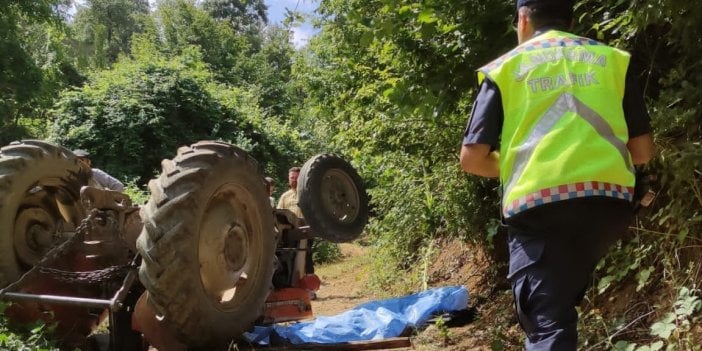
(128, 223)
(104, 199)
(288, 304)
(90, 227)
(158, 334)
(115, 303)
(132, 228)
(93, 269)
(309, 282)
(293, 226)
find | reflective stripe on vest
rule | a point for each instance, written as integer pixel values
(565, 103)
(564, 134)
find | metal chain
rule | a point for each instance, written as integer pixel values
(86, 277)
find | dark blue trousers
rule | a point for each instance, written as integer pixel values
(553, 250)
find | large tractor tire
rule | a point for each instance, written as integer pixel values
(39, 196)
(332, 198)
(208, 244)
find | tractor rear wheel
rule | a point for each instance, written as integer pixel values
(208, 244)
(332, 198)
(40, 191)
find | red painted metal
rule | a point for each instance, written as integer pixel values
(288, 304)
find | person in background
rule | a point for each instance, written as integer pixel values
(288, 200)
(561, 121)
(304, 262)
(99, 178)
(270, 187)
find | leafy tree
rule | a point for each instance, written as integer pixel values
(139, 112)
(265, 67)
(246, 17)
(243, 15)
(103, 29)
(390, 84)
(179, 24)
(270, 69)
(32, 66)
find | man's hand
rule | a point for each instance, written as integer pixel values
(479, 160)
(640, 148)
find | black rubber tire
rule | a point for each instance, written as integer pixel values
(34, 176)
(205, 184)
(332, 198)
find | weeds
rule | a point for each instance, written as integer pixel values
(33, 337)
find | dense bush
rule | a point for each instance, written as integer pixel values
(137, 113)
(392, 86)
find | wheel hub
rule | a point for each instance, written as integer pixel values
(34, 234)
(339, 196)
(227, 240)
(235, 248)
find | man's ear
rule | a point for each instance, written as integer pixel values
(523, 21)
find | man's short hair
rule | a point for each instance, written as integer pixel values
(541, 17)
(294, 170)
(557, 14)
(269, 180)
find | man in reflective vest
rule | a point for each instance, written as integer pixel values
(561, 120)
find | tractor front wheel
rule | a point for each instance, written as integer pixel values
(332, 198)
(208, 244)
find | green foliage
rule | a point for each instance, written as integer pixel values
(24, 338)
(243, 15)
(180, 24)
(499, 339)
(139, 112)
(33, 65)
(104, 28)
(444, 334)
(671, 330)
(625, 259)
(679, 321)
(389, 85)
(137, 194)
(326, 252)
(270, 70)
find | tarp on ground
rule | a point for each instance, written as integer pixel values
(374, 320)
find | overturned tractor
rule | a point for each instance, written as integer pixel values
(197, 266)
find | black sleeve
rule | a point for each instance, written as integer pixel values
(485, 123)
(635, 113)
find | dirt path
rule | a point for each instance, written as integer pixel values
(344, 286)
(343, 282)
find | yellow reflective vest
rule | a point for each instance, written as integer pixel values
(564, 134)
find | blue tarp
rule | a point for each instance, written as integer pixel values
(373, 320)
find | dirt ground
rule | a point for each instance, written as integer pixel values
(486, 326)
(491, 324)
(343, 282)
